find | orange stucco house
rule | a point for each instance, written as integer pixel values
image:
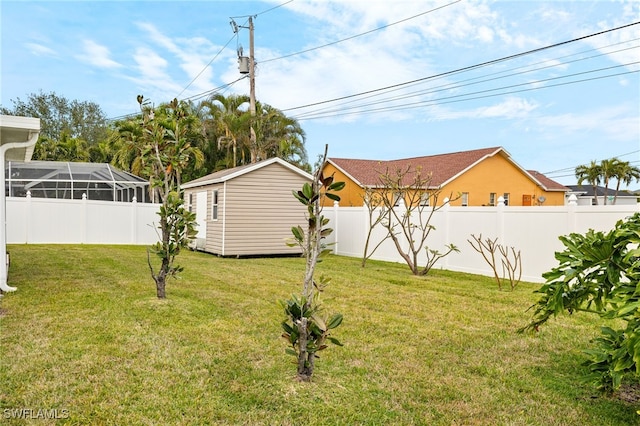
(478, 176)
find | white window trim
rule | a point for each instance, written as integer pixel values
(215, 205)
(464, 199)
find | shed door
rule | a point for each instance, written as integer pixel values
(201, 218)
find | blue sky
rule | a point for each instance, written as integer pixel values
(326, 53)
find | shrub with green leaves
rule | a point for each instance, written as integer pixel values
(161, 146)
(307, 328)
(600, 273)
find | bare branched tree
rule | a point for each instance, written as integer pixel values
(408, 202)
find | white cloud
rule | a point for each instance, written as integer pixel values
(153, 76)
(40, 50)
(510, 108)
(620, 53)
(97, 55)
(618, 123)
(193, 55)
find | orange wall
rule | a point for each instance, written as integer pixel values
(351, 195)
(499, 175)
(494, 174)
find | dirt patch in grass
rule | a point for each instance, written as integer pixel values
(629, 393)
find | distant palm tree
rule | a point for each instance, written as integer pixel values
(278, 136)
(607, 171)
(624, 173)
(231, 122)
(592, 174)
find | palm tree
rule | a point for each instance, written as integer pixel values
(592, 175)
(607, 171)
(278, 136)
(231, 123)
(625, 173)
(128, 146)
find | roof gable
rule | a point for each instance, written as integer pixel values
(228, 174)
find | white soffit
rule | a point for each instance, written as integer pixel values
(15, 129)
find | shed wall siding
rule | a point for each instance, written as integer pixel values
(215, 228)
(255, 212)
(260, 211)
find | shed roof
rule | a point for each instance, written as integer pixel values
(228, 174)
(443, 167)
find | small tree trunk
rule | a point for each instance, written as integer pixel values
(160, 289)
(161, 279)
(305, 367)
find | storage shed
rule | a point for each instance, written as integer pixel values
(247, 210)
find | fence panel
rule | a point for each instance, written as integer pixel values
(533, 231)
(53, 221)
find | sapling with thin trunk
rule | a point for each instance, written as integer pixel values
(307, 329)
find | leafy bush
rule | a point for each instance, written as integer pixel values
(600, 273)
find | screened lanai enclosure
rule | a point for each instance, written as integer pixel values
(70, 180)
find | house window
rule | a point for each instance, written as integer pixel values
(425, 199)
(465, 199)
(506, 198)
(492, 199)
(396, 199)
(190, 201)
(214, 206)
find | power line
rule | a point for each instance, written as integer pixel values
(566, 169)
(452, 86)
(206, 66)
(361, 34)
(225, 46)
(191, 98)
(263, 12)
(467, 68)
(314, 48)
(215, 90)
(448, 99)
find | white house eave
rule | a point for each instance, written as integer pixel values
(18, 137)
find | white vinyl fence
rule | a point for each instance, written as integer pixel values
(54, 221)
(533, 231)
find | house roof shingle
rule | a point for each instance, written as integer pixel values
(587, 190)
(443, 167)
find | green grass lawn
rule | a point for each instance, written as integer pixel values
(85, 333)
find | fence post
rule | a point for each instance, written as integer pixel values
(335, 227)
(446, 210)
(83, 220)
(134, 220)
(571, 213)
(500, 220)
(27, 219)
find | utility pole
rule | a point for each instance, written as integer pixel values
(248, 66)
(252, 93)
